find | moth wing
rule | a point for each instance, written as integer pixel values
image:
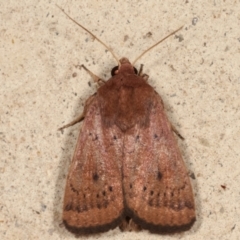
(93, 199)
(157, 189)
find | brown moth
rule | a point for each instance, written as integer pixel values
(127, 169)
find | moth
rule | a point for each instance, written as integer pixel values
(127, 169)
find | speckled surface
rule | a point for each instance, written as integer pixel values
(197, 74)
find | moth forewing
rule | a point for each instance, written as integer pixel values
(127, 167)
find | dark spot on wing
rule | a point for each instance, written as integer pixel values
(177, 206)
(150, 202)
(68, 207)
(105, 204)
(84, 208)
(188, 204)
(159, 175)
(95, 177)
(73, 189)
(78, 209)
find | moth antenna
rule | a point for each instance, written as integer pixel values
(156, 44)
(108, 48)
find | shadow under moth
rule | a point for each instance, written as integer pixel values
(127, 169)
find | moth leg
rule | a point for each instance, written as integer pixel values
(141, 74)
(76, 120)
(81, 117)
(140, 70)
(95, 78)
(176, 132)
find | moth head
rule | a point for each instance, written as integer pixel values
(125, 66)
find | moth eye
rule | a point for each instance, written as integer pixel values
(114, 71)
(135, 70)
(110, 188)
(144, 188)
